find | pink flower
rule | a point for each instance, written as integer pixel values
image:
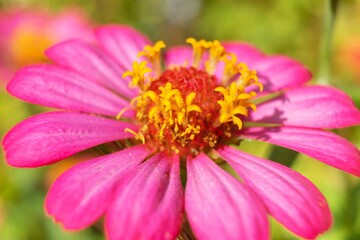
(348, 57)
(25, 34)
(186, 115)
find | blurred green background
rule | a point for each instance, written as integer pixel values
(295, 28)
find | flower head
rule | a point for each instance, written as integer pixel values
(25, 34)
(207, 96)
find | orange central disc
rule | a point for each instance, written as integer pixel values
(197, 132)
(185, 110)
(188, 80)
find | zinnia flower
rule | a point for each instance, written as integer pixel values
(181, 114)
(25, 34)
(348, 57)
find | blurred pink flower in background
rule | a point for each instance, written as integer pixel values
(348, 56)
(25, 34)
(190, 113)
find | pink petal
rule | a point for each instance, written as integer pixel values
(321, 145)
(53, 136)
(245, 53)
(70, 23)
(279, 72)
(92, 63)
(52, 86)
(218, 206)
(292, 199)
(179, 56)
(121, 42)
(309, 106)
(83, 193)
(150, 204)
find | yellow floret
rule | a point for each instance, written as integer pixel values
(138, 78)
(152, 54)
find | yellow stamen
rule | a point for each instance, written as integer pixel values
(216, 53)
(199, 48)
(169, 111)
(138, 75)
(152, 54)
(235, 103)
(211, 139)
(118, 116)
(248, 77)
(138, 136)
(231, 67)
(192, 130)
(185, 110)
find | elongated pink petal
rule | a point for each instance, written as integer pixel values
(245, 52)
(289, 197)
(279, 72)
(309, 106)
(150, 204)
(180, 56)
(83, 193)
(59, 26)
(219, 206)
(50, 137)
(53, 86)
(321, 145)
(121, 42)
(92, 63)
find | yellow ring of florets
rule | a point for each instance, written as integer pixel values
(168, 110)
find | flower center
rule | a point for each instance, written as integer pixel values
(187, 110)
(28, 45)
(178, 110)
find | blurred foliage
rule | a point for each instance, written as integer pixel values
(292, 28)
